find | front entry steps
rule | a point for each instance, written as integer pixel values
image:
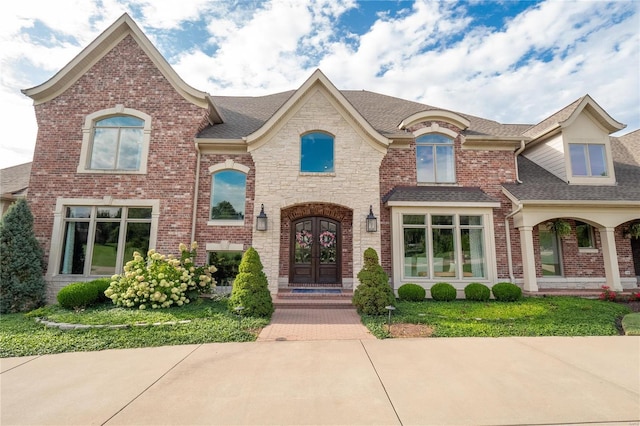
(313, 297)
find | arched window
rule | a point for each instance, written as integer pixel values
(228, 195)
(115, 140)
(117, 143)
(435, 161)
(316, 153)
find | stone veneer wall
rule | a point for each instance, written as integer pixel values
(124, 76)
(279, 183)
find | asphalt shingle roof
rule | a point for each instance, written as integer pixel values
(538, 184)
(245, 114)
(438, 194)
(15, 179)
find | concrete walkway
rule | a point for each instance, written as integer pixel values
(463, 381)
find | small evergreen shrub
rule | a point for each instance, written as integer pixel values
(411, 292)
(477, 292)
(374, 293)
(78, 295)
(22, 286)
(82, 294)
(506, 292)
(251, 287)
(443, 292)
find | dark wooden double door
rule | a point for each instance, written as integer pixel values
(315, 251)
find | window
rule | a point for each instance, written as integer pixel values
(435, 159)
(99, 240)
(115, 140)
(588, 160)
(584, 234)
(117, 143)
(227, 263)
(228, 195)
(316, 153)
(549, 252)
(456, 246)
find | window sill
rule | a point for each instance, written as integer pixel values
(225, 223)
(111, 172)
(438, 184)
(587, 250)
(327, 174)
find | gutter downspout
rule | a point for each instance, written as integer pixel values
(195, 195)
(508, 235)
(510, 215)
(515, 159)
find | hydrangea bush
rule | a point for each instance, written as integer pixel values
(160, 281)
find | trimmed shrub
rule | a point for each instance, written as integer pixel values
(77, 295)
(251, 287)
(443, 292)
(506, 292)
(412, 292)
(22, 286)
(374, 292)
(81, 294)
(477, 292)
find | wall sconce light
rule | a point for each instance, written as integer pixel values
(261, 220)
(372, 221)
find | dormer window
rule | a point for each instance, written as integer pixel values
(588, 160)
(435, 160)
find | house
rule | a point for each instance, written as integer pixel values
(130, 157)
(14, 184)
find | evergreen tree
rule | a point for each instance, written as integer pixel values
(22, 286)
(251, 287)
(373, 294)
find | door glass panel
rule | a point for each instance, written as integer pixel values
(327, 239)
(303, 242)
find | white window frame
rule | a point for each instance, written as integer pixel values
(459, 281)
(610, 179)
(57, 234)
(436, 129)
(87, 139)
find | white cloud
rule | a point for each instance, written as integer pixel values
(432, 52)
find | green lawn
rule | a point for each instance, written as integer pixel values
(210, 322)
(550, 316)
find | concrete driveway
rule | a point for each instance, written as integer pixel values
(463, 381)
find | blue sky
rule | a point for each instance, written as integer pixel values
(510, 61)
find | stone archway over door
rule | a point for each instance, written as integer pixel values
(316, 251)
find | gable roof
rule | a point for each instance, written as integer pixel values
(121, 28)
(566, 115)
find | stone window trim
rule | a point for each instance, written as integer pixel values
(87, 139)
(229, 164)
(57, 235)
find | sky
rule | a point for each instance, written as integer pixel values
(509, 61)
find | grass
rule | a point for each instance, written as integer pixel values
(550, 316)
(631, 324)
(210, 322)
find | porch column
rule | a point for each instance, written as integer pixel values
(610, 257)
(528, 259)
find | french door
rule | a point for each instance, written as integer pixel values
(315, 251)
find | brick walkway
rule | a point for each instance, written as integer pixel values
(314, 324)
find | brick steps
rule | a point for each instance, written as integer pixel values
(287, 298)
